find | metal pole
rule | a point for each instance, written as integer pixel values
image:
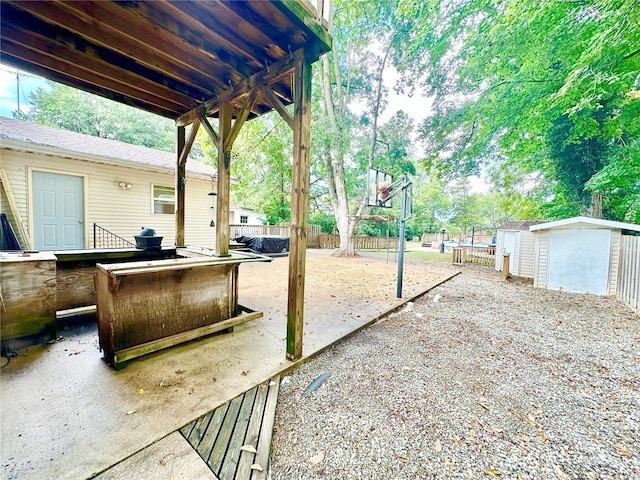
(401, 239)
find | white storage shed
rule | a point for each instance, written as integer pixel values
(516, 239)
(579, 254)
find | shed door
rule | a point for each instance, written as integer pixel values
(510, 247)
(58, 211)
(579, 260)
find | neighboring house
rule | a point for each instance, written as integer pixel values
(245, 216)
(516, 239)
(580, 254)
(56, 184)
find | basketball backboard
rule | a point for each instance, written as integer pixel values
(379, 189)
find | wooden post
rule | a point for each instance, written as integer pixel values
(505, 266)
(181, 169)
(299, 205)
(224, 180)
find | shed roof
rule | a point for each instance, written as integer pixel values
(520, 224)
(26, 136)
(166, 57)
(585, 222)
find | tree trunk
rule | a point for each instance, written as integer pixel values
(334, 165)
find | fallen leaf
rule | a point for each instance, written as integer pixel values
(248, 448)
(141, 391)
(256, 466)
(131, 412)
(316, 459)
(524, 438)
(622, 450)
(402, 459)
(492, 473)
(543, 437)
(560, 474)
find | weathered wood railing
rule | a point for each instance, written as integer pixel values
(238, 229)
(103, 238)
(361, 242)
(472, 254)
(629, 275)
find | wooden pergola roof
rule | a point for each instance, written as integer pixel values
(165, 57)
(189, 60)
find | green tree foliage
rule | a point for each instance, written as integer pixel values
(528, 87)
(70, 109)
(262, 165)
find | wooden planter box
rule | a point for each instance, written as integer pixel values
(28, 294)
(143, 307)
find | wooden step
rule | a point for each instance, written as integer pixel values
(245, 421)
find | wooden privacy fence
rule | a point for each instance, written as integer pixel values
(361, 242)
(471, 254)
(629, 276)
(313, 232)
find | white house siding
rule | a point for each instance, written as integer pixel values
(120, 211)
(542, 256)
(499, 249)
(527, 256)
(522, 261)
(629, 272)
(514, 266)
(253, 217)
(615, 261)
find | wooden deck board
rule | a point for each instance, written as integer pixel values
(210, 436)
(198, 430)
(245, 420)
(266, 431)
(253, 431)
(222, 442)
(236, 441)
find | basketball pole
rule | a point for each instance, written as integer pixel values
(401, 240)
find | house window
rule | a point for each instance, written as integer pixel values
(244, 219)
(164, 199)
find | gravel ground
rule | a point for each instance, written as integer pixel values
(477, 379)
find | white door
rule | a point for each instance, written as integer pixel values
(579, 260)
(58, 211)
(510, 247)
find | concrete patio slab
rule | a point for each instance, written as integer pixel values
(67, 414)
(171, 457)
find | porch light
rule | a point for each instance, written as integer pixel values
(125, 185)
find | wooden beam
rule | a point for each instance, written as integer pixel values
(209, 129)
(187, 148)
(81, 59)
(224, 181)
(113, 27)
(264, 77)
(242, 116)
(273, 100)
(155, 345)
(299, 206)
(25, 241)
(181, 171)
(101, 91)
